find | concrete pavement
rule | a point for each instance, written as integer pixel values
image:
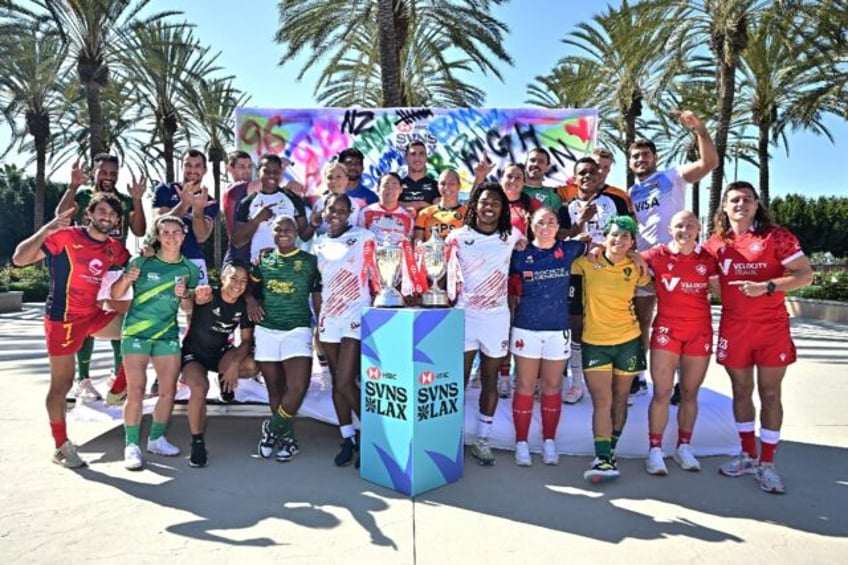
(241, 508)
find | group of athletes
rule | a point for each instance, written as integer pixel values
(544, 274)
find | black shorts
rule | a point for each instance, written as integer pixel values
(210, 360)
(575, 295)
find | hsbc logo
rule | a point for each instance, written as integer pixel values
(373, 373)
(426, 378)
(671, 283)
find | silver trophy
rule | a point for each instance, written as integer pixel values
(434, 264)
(388, 257)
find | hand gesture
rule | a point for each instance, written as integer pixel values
(78, 175)
(229, 378)
(133, 273)
(62, 220)
(316, 218)
(266, 213)
(296, 187)
(688, 119)
(587, 213)
(180, 287)
(200, 199)
(186, 193)
(750, 288)
(203, 294)
(136, 187)
(255, 311)
(483, 168)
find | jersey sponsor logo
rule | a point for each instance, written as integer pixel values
(217, 310)
(468, 242)
(670, 284)
(95, 267)
(646, 205)
(527, 275)
(426, 378)
(374, 373)
(725, 266)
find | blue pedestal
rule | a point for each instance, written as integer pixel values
(412, 398)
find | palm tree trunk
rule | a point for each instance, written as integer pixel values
(168, 155)
(726, 93)
(389, 55)
(95, 118)
(629, 138)
(40, 182)
(763, 157)
(696, 199)
(216, 176)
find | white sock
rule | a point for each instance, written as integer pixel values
(577, 363)
(347, 431)
(484, 426)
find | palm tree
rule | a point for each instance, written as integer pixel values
(95, 32)
(212, 105)
(635, 60)
(166, 64)
(32, 80)
(349, 40)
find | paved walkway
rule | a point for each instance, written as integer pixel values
(308, 511)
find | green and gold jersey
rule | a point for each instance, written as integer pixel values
(285, 283)
(154, 307)
(609, 316)
(122, 229)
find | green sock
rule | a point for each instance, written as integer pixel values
(131, 434)
(84, 358)
(282, 422)
(116, 354)
(603, 447)
(616, 435)
(157, 430)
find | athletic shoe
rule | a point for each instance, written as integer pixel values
(161, 446)
(114, 399)
(769, 479)
(655, 463)
(84, 390)
(504, 386)
(474, 381)
(639, 387)
(66, 455)
(288, 449)
(482, 452)
(133, 459)
(549, 453)
(738, 466)
(198, 456)
(268, 441)
(227, 396)
(603, 470)
(675, 396)
(522, 454)
(346, 453)
(573, 394)
(154, 388)
(684, 457)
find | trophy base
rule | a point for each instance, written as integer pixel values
(435, 299)
(389, 298)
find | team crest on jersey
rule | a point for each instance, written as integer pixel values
(298, 265)
(519, 344)
(663, 339)
(701, 269)
(597, 266)
(217, 310)
(670, 267)
(627, 272)
(558, 254)
(755, 247)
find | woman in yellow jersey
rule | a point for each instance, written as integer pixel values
(612, 344)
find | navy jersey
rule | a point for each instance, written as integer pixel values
(539, 277)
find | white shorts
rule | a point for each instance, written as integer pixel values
(540, 344)
(332, 329)
(203, 278)
(487, 331)
(647, 290)
(279, 345)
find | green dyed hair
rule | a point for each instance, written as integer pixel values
(623, 222)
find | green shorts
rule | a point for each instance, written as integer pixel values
(627, 357)
(151, 347)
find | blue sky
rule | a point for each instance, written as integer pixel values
(245, 39)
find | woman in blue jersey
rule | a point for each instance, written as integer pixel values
(541, 336)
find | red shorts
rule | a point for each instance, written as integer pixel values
(683, 339)
(65, 338)
(746, 343)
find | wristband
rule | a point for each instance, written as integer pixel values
(770, 288)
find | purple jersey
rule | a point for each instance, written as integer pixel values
(539, 277)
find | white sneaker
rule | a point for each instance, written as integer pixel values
(84, 390)
(161, 446)
(504, 386)
(549, 453)
(684, 457)
(573, 394)
(655, 464)
(133, 459)
(522, 454)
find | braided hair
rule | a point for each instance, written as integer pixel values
(504, 224)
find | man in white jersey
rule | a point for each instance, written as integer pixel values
(659, 195)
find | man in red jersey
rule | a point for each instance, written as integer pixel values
(77, 258)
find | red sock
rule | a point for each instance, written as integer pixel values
(59, 430)
(655, 440)
(522, 413)
(749, 444)
(505, 367)
(551, 410)
(120, 384)
(683, 436)
(767, 452)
